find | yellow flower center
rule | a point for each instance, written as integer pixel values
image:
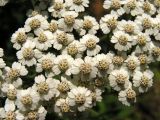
(87, 24)
(43, 88)
(63, 65)
(21, 37)
(69, 20)
(35, 23)
(85, 68)
(91, 44)
(28, 53)
(47, 64)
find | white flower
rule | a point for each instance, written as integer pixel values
(156, 24)
(122, 40)
(8, 114)
(53, 26)
(96, 96)
(46, 63)
(90, 44)
(38, 23)
(143, 42)
(45, 87)
(119, 79)
(62, 39)
(132, 63)
(133, 7)
(38, 114)
(75, 49)
(28, 54)
(63, 64)
(104, 64)
(109, 23)
(148, 8)
(27, 99)
(57, 8)
(13, 74)
(1, 52)
(86, 68)
(143, 80)
(68, 22)
(154, 52)
(88, 25)
(19, 38)
(127, 96)
(81, 97)
(62, 106)
(3, 2)
(115, 5)
(77, 5)
(44, 40)
(2, 63)
(129, 27)
(145, 23)
(64, 85)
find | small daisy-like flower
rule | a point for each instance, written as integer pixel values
(117, 61)
(3, 2)
(144, 59)
(114, 5)
(10, 91)
(62, 106)
(119, 79)
(154, 53)
(132, 63)
(64, 85)
(28, 54)
(127, 96)
(74, 49)
(90, 44)
(81, 97)
(2, 63)
(62, 39)
(156, 27)
(122, 41)
(109, 23)
(53, 26)
(1, 52)
(145, 23)
(69, 21)
(13, 74)
(37, 23)
(8, 114)
(45, 87)
(63, 64)
(27, 99)
(142, 41)
(148, 8)
(104, 64)
(57, 8)
(96, 96)
(44, 40)
(88, 25)
(77, 5)
(129, 27)
(143, 80)
(133, 7)
(46, 63)
(38, 114)
(19, 38)
(85, 68)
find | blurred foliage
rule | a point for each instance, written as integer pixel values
(13, 16)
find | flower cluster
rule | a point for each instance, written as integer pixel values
(62, 48)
